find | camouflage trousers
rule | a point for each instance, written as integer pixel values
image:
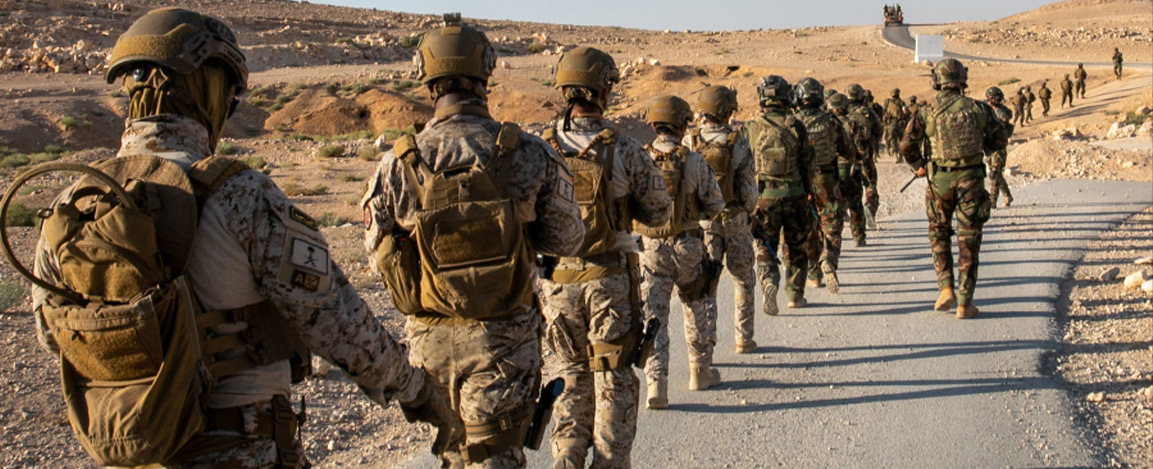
(488, 369)
(731, 237)
(597, 409)
(869, 182)
(893, 134)
(1067, 96)
(962, 193)
(996, 163)
(1044, 108)
(851, 208)
(824, 242)
(786, 217)
(1079, 89)
(677, 262)
(1018, 115)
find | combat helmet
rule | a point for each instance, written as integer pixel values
(994, 93)
(896, 93)
(839, 102)
(809, 91)
(774, 88)
(949, 73)
(717, 102)
(855, 93)
(669, 110)
(456, 49)
(829, 92)
(180, 40)
(586, 67)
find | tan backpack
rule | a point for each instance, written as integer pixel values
(720, 158)
(137, 357)
(775, 148)
(467, 256)
(592, 178)
(685, 206)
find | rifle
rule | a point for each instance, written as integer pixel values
(648, 339)
(543, 413)
(906, 186)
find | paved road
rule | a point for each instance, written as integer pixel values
(901, 37)
(874, 378)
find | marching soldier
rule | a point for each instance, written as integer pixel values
(995, 161)
(867, 142)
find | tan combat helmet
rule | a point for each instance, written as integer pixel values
(717, 102)
(456, 49)
(669, 110)
(180, 40)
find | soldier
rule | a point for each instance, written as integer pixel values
(1066, 91)
(895, 116)
(253, 261)
(592, 299)
(1079, 76)
(849, 168)
(466, 191)
(869, 124)
(1117, 60)
(729, 235)
(1019, 102)
(674, 252)
(830, 144)
(958, 131)
(1030, 98)
(995, 161)
(782, 151)
(1044, 94)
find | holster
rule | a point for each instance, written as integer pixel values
(279, 423)
(497, 436)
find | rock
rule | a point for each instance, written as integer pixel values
(1144, 261)
(1147, 287)
(654, 62)
(1135, 279)
(1117, 130)
(1109, 275)
(1095, 397)
(1143, 110)
(504, 64)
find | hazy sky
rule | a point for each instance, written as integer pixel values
(706, 14)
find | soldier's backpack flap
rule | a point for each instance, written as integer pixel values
(775, 147)
(672, 167)
(396, 256)
(719, 155)
(592, 173)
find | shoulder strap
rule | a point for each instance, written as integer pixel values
(209, 174)
(731, 139)
(403, 145)
(507, 138)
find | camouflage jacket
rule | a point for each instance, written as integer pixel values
(744, 168)
(1006, 116)
(243, 253)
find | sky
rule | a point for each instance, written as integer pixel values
(705, 15)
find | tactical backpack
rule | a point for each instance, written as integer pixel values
(138, 357)
(673, 166)
(592, 178)
(775, 148)
(955, 128)
(467, 256)
(720, 158)
(821, 133)
(863, 136)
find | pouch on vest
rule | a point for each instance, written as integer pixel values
(592, 179)
(955, 129)
(820, 129)
(672, 166)
(775, 147)
(720, 158)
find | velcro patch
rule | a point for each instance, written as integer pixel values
(564, 188)
(305, 280)
(309, 255)
(302, 218)
(659, 182)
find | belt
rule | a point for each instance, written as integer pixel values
(612, 258)
(937, 167)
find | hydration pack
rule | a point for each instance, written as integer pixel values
(719, 155)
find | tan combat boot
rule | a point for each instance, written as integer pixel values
(658, 394)
(702, 377)
(813, 283)
(797, 303)
(770, 305)
(946, 300)
(966, 311)
(568, 453)
(748, 346)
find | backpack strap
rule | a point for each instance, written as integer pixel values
(209, 174)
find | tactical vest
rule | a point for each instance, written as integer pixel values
(467, 256)
(863, 136)
(138, 354)
(720, 158)
(592, 178)
(775, 148)
(956, 129)
(822, 134)
(893, 111)
(685, 205)
(848, 127)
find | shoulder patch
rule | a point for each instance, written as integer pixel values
(302, 217)
(565, 189)
(309, 255)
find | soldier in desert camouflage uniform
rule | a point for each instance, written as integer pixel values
(1044, 94)
(849, 169)
(488, 360)
(1066, 91)
(867, 142)
(247, 247)
(729, 235)
(674, 252)
(959, 130)
(1079, 77)
(830, 145)
(592, 300)
(995, 161)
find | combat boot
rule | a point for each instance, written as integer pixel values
(770, 300)
(831, 280)
(658, 394)
(1008, 200)
(966, 311)
(569, 453)
(702, 377)
(797, 303)
(748, 346)
(946, 300)
(813, 283)
(860, 241)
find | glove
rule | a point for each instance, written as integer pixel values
(431, 406)
(921, 172)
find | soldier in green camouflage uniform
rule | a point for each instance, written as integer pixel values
(782, 151)
(1079, 77)
(959, 130)
(896, 114)
(995, 161)
(830, 144)
(1044, 94)
(869, 133)
(849, 169)
(1066, 91)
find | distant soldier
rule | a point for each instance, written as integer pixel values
(782, 150)
(1066, 91)
(728, 236)
(1117, 60)
(867, 143)
(1044, 94)
(1079, 76)
(1019, 102)
(830, 144)
(895, 116)
(912, 109)
(995, 161)
(959, 130)
(849, 168)
(1030, 98)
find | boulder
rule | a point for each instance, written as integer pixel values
(1135, 279)
(1120, 130)
(1109, 275)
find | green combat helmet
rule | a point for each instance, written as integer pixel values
(456, 49)
(809, 92)
(994, 93)
(774, 89)
(949, 73)
(717, 102)
(586, 73)
(855, 93)
(669, 110)
(839, 102)
(180, 40)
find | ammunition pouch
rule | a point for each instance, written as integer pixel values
(582, 269)
(497, 436)
(279, 423)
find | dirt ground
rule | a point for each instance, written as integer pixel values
(328, 76)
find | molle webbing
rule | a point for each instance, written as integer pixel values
(267, 339)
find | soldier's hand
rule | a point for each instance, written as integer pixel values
(431, 406)
(921, 172)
